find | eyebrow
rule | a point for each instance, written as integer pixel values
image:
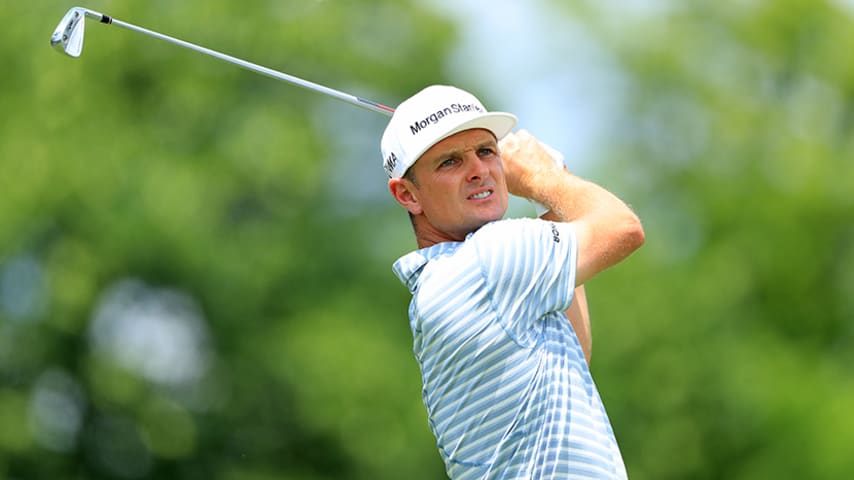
(488, 143)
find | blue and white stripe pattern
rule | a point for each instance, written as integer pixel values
(507, 390)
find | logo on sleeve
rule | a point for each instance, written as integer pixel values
(555, 233)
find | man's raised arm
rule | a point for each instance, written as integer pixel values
(606, 228)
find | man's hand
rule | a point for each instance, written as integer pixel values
(526, 161)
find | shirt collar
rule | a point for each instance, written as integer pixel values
(408, 267)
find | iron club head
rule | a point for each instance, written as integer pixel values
(68, 36)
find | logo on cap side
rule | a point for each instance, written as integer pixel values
(390, 163)
(434, 118)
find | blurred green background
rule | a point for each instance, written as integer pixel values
(195, 273)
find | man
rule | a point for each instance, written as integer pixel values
(505, 380)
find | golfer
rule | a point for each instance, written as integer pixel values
(498, 314)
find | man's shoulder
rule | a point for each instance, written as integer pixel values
(508, 227)
(521, 236)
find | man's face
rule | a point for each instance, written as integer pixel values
(459, 183)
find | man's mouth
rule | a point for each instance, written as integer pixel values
(481, 195)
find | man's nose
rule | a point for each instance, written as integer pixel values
(477, 168)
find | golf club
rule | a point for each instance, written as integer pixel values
(68, 38)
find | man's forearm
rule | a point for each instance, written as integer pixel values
(570, 198)
(579, 317)
(607, 227)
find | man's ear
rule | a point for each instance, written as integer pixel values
(404, 193)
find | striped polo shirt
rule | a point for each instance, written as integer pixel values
(506, 386)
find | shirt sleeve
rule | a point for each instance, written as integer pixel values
(529, 267)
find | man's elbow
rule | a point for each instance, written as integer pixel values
(633, 234)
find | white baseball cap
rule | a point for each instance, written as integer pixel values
(430, 116)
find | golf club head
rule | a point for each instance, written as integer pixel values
(68, 36)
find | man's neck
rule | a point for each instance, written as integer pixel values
(426, 235)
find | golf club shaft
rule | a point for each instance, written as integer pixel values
(68, 37)
(359, 102)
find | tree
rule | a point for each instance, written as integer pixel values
(726, 355)
(183, 295)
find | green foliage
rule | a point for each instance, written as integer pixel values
(147, 179)
(724, 345)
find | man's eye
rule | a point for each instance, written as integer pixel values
(447, 163)
(486, 151)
